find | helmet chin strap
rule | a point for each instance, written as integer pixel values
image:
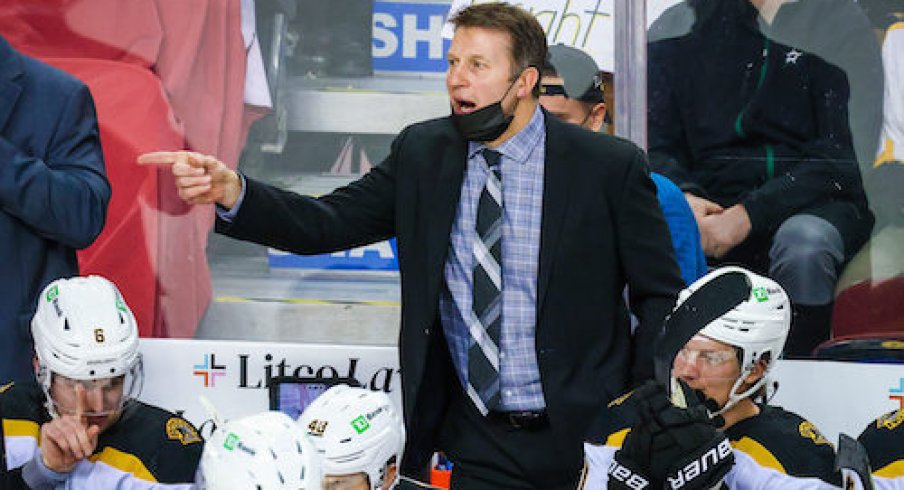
(734, 397)
(44, 378)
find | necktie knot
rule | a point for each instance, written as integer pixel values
(492, 157)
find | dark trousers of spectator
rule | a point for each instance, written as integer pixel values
(806, 255)
(487, 453)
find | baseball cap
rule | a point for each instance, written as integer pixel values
(580, 74)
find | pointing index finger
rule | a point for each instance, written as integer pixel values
(158, 158)
(170, 158)
(81, 399)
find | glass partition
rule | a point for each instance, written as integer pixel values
(797, 97)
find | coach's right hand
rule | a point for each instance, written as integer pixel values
(200, 179)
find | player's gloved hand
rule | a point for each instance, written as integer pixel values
(683, 395)
(670, 447)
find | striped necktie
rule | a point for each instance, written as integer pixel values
(483, 354)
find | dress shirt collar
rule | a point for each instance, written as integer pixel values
(518, 147)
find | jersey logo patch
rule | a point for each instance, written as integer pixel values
(180, 430)
(809, 431)
(889, 421)
(7, 386)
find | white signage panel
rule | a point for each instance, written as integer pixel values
(235, 375)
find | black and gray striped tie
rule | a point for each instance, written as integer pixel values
(483, 355)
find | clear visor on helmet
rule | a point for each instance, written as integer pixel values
(707, 367)
(705, 358)
(94, 397)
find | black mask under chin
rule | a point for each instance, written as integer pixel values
(486, 123)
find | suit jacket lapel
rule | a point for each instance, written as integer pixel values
(10, 70)
(444, 202)
(559, 173)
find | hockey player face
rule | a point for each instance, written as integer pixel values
(709, 366)
(99, 401)
(355, 481)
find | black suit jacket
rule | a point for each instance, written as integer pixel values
(602, 229)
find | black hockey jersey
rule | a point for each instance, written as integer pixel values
(146, 443)
(775, 439)
(786, 442)
(884, 442)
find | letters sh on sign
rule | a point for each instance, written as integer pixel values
(408, 37)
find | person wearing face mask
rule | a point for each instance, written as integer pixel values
(571, 88)
(514, 248)
(80, 426)
(727, 363)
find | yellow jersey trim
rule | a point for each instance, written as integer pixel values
(125, 462)
(616, 439)
(21, 428)
(759, 453)
(888, 150)
(893, 470)
(582, 484)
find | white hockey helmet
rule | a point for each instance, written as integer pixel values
(355, 430)
(84, 331)
(758, 327)
(265, 451)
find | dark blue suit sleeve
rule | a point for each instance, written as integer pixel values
(63, 197)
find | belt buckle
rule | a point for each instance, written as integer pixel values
(514, 419)
(523, 420)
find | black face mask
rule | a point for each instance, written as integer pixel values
(486, 123)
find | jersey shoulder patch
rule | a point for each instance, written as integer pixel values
(168, 445)
(787, 441)
(179, 429)
(884, 442)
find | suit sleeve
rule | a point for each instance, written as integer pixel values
(360, 213)
(647, 259)
(63, 197)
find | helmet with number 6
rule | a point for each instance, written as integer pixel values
(355, 430)
(84, 331)
(265, 451)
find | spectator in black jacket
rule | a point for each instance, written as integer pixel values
(757, 135)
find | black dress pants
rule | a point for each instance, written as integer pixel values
(488, 453)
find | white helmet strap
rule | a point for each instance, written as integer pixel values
(734, 397)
